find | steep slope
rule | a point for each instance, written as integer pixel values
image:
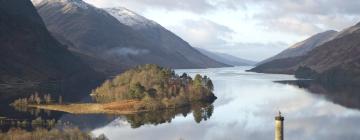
(227, 59)
(288, 57)
(158, 35)
(303, 47)
(336, 61)
(101, 39)
(28, 53)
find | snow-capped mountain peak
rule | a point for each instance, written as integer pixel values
(70, 4)
(130, 18)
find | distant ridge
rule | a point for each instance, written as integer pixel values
(336, 61)
(227, 59)
(303, 47)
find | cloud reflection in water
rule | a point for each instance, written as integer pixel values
(245, 109)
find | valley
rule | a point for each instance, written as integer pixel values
(179, 70)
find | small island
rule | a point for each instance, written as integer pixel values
(145, 88)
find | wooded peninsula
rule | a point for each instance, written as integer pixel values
(145, 88)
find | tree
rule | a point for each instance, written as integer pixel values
(184, 75)
(197, 115)
(137, 91)
(210, 85)
(60, 99)
(31, 99)
(205, 77)
(47, 98)
(37, 98)
(151, 93)
(197, 81)
(155, 83)
(182, 92)
(209, 111)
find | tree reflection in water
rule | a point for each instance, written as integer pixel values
(201, 112)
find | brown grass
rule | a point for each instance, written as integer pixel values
(45, 134)
(121, 107)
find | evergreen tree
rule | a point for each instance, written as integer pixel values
(210, 85)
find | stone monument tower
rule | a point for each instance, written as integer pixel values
(279, 127)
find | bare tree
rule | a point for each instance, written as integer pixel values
(60, 99)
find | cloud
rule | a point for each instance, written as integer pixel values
(312, 7)
(196, 6)
(290, 25)
(302, 17)
(206, 34)
(127, 51)
(316, 7)
(253, 50)
(255, 29)
(306, 17)
(203, 33)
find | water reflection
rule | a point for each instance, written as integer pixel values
(72, 90)
(347, 96)
(201, 112)
(245, 109)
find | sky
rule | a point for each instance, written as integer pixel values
(250, 29)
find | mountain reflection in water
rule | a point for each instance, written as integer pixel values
(347, 96)
(245, 109)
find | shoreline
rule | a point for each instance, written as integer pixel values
(127, 107)
(121, 108)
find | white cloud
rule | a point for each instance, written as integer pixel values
(203, 33)
(307, 17)
(290, 25)
(219, 24)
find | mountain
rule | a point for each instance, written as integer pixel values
(291, 56)
(110, 46)
(169, 42)
(28, 52)
(336, 61)
(227, 59)
(303, 47)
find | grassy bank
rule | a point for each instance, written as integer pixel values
(120, 107)
(45, 134)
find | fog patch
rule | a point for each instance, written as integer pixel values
(127, 51)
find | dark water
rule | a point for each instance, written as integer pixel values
(245, 109)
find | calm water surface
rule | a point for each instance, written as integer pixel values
(245, 109)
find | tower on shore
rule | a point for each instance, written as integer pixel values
(279, 127)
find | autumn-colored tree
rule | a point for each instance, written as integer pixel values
(197, 81)
(137, 91)
(156, 84)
